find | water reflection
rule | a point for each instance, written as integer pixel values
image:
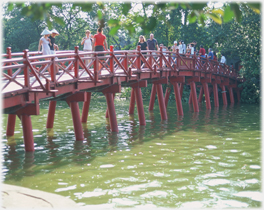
(29, 165)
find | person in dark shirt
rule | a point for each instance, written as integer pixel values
(52, 44)
(142, 42)
(210, 54)
(152, 43)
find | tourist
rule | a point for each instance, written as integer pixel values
(52, 44)
(44, 42)
(143, 44)
(87, 43)
(152, 43)
(183, 47)
(174, 48)
(194, 45)
(100, 43)
(180, 47)
(188, 51)
(210, 54)
(192, 49)
(223, 59)
(202, 51)
(215, 56)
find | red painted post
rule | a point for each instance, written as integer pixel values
(200, 99)
(160, 60)
(232, 101)
(152, 97)
(86, 105)
(150, 59)
(112, 58)
(178, 98)
(207, 95)
(106, 113)
(27, 133)
(9, 56)
(190, 97)
(111, 111)
(194, 97)
(76, 121)
(224, 95)
(163, 112)
(216, 100)
(76, 64)
(181, 89)
(96, 64)
(132, 102)
(138, 61)
(10, 129)
(51, 114)
(52, 70)
(178, 58)
(167, 96)
(140, 107)
(26, 70)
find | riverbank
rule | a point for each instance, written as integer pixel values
(24, 198)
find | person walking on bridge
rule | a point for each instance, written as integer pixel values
(87, 43)
(152, 43)
(52, 44)
(44, 42)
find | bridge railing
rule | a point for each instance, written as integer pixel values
(32, 70)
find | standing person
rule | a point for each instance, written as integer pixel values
(194, 45)
(44, 42)
(215, 56)
(183, 47)
(223, 59)
(143, 44)
(188, 51)
(192, 49)
(210, 54)
(52, 45)
(100, 43)
(152, 43)
(202, 51)
(174, 48)
(87, 43)
(180, 47)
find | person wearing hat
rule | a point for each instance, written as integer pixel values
(44, 42)
(174, 48)
(52, 45)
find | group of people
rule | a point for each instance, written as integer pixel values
(98, 42)
(189, 51)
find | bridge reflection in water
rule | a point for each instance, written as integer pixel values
(28, 78)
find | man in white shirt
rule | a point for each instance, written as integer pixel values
(223, 59)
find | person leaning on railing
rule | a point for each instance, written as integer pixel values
(87, 43)
(143, 44)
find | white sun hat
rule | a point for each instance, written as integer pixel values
(175, 42)
(45, 32)
(54, 31)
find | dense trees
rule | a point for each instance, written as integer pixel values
(124, 22)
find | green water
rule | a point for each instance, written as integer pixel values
(206, 159)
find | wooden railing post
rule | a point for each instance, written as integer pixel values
(96, 67)
(111, 58)
(138, 63)
(178, 58)
(160, 60)
(26, 69)
(194, 59)
(9, 56)
(76, 63)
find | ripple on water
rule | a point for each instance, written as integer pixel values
(257, 196)
(215, 182)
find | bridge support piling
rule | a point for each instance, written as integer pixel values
(132, 102)
(194, 97)
(86, 105)
(181, 89)
(111, 112)
(207, 95)
(106, 112)
(140, 107)
(152, 97)
(190, 98)
(216, 100)
(11, 123)
(51, 114)
(200, 99)
(178, 98)
(163, 112)
(27, 133)
(76, 121)
(232, 101)
(224, 94)
(167, 96)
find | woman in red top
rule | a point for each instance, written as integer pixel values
(100, 43)
(215, 56)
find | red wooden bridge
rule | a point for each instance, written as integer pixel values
(72, 76)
